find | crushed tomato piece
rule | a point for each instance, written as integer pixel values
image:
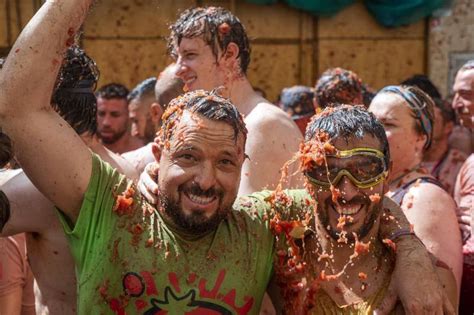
(375, 198)
(390, 244)
(362, 276)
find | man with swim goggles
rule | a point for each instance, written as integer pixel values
(365, 167)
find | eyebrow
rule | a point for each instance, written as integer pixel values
(188, 50)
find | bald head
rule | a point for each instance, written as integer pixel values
(168, 86)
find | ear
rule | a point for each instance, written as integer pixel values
(388, 179)
(317, 109)
(231, 53)
(156, 150)
(156, 112)
(420, 143)
(448, 128)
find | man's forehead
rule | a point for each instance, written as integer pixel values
(191, 43)
(465, 77)
(368, 141)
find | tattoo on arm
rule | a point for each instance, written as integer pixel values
(4, 209)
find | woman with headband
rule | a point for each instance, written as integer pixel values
(407, 115)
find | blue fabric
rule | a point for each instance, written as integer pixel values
(390, 13)
(320, 7)
(393, 13)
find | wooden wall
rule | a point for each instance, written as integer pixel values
(127, 40)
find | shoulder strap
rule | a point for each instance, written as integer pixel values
(401, 192)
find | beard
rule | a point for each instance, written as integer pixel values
(113, 138)
(373, 212)
(196, 222)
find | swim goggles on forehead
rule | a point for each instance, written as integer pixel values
(364, 167)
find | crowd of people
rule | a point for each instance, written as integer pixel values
(193, 194)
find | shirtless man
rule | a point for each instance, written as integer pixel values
(167, 87)
(212, 51)
(354, 267)
(142, 110)
(463, 104)
(113, 120)
(119, 243)
(48, 250)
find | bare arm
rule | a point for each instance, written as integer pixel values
(11, 284)
(30, 211)
(433, 214)
(414, 279)
(273, 140)
(11, 302)
(51, 153)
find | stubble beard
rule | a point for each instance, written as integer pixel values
(374, 211)
(196, 222)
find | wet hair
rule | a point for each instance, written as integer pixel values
(338, 86)
(112, 90)
(217, 26)
(73, 97)
(421, 105)
(368, 95)
(297, 101)
(168, 86)
(469, 65)
(207, 104)
(6, 150)
(348, 121)
(423, 83)
(144, 89)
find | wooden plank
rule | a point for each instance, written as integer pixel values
(356, 22)
(133, 18)
(3, 24)
(377, 62)
(274, 67)
(127, 62)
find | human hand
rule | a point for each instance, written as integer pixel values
(147, 184)
(465, 224)
(415, 283)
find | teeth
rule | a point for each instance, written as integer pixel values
(348, 209)
(199, 199)
(188, 81)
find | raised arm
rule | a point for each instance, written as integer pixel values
(50, 152)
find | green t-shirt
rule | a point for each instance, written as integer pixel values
(132, 262)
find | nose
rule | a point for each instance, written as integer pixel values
(106, 121)
(180, 67)
(134, 130)
(457, 103)
(347, 188)
(206, 178)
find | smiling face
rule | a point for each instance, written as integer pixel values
(406, 144)
(463, 102)
(200, 173)
(197, 66)
(352, 201)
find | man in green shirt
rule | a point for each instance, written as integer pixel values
(194, 254)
